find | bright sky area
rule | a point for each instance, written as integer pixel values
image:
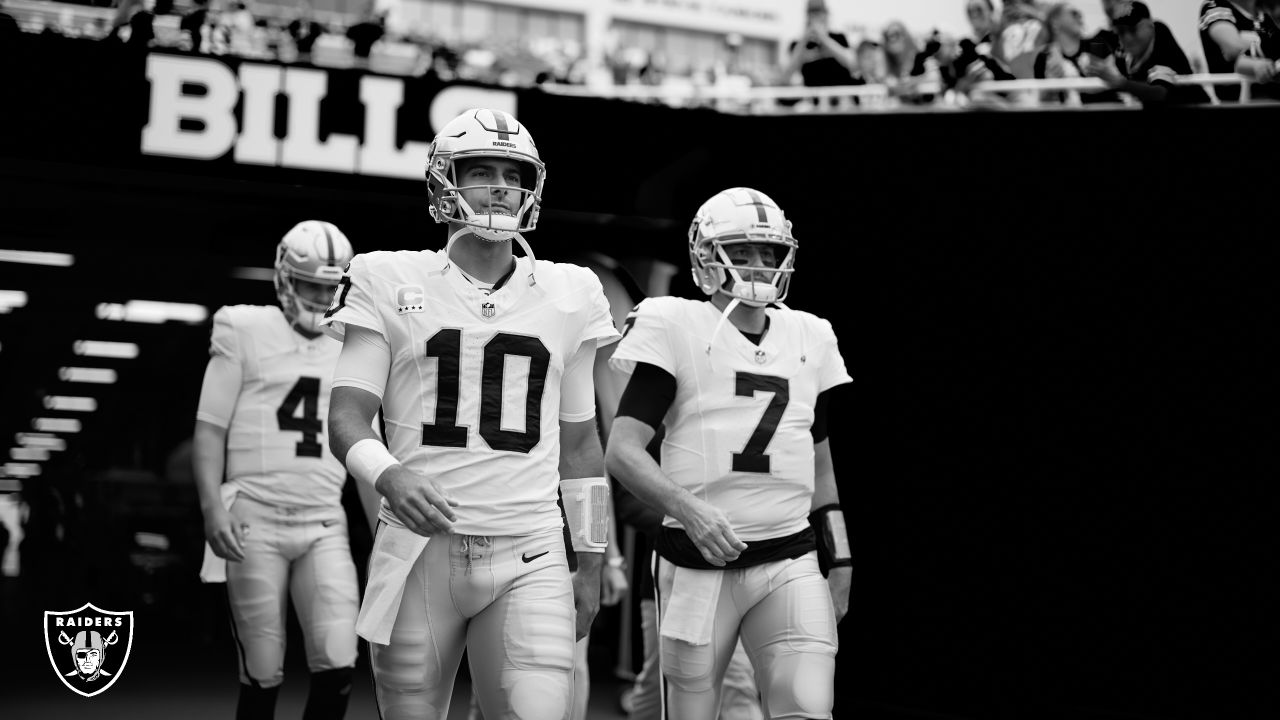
(921, 16)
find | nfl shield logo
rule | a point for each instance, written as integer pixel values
(488, 310)
(88, 647)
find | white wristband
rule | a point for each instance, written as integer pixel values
(368, 459)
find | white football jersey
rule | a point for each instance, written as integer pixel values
(277, 442)
(473, 395)
(738, 431)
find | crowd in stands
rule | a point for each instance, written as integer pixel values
(1137, 57)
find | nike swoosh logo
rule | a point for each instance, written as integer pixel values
(527, 558)
(327, 523)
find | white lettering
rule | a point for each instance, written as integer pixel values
(164, 134)
(211, 131)
(258, 144)
(303, 147)
(382, 97)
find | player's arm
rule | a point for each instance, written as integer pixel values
(584, 491)
(645, 401)
(218, 397)
(826, 517)
(359, 382)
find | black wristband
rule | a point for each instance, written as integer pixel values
(826, 553)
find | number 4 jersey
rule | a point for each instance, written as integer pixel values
(272, 395)
(473, 395)
(738, 431)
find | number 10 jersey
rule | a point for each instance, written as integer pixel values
(473, 395)
(738, 432)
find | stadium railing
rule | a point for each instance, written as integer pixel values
(922, 96)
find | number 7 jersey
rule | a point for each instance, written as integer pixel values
(738, 430)
(472, 399)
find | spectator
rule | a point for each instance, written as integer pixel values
(822, 57)
(900, 51)
(1066, 55)
(192, 25)
(134, 24)
(1240, 36)
(304, 30)
(367, 32)
(1149, 62)
(871, 64)
(970, 60)
(1020, 37)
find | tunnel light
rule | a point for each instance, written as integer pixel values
(9, 485)
(70, 402)
(21, 469)
(152, 311)
(40, 440)
(11, 299)
(253, 273)
(32, 257)
(100, 376)
(28, 454)
(103, 348)
(63, 425)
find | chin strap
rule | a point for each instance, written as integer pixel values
(524, 245)
(728, 310)
(533, 262)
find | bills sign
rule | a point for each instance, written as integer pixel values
(203, 109)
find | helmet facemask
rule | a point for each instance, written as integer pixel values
(715, 272)
(309, 264)
(519, 207)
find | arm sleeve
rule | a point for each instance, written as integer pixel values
(819, 429)
(578, 386)
(365, 361)
(223, 376)
(648, 395)
(645, 340)
(354, 302)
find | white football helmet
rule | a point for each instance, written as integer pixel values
(740, 216)
(480, 132)
(313, 251)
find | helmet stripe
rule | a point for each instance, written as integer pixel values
(759, 203)
(332, 260)
(501, 119)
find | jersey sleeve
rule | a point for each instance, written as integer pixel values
(1213, 11)
(354, 302)
(645, 339)
(599, 329)
(832, 372)
(223, 375)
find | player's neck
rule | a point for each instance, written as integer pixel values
(746, 318)
(485, 261)
(308, 334)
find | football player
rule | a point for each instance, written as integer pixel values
(481, 362)
(278, 518)
(746, 481)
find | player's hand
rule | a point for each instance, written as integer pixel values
(586, 592)
(709, 529)
(225, 533)
(422, 506)
(613, 585)
(838, 581)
